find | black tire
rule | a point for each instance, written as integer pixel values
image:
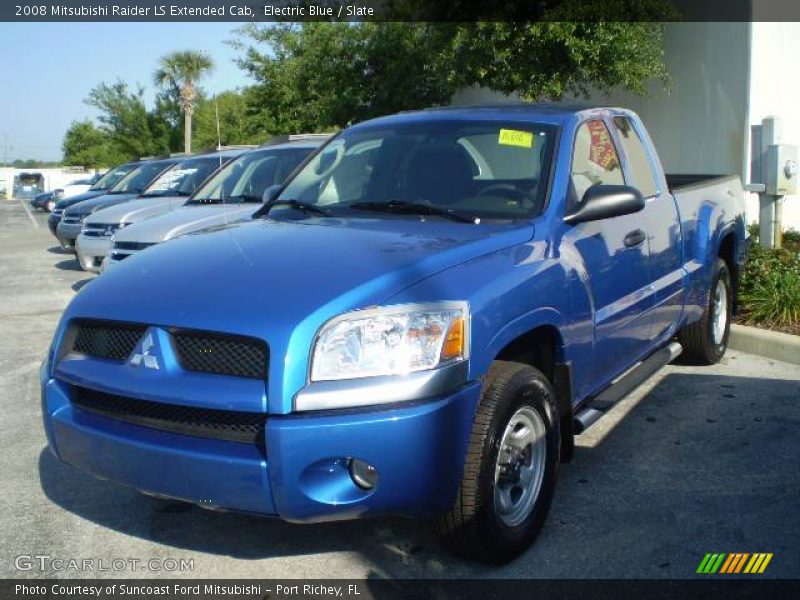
(49, 206)
(697, 339)
(474, 528)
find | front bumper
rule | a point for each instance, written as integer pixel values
(67, 233)
(300, 474)
(52, 224)
(91, 250)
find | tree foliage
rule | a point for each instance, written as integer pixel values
(86, 145)
(321, 75)
(178, 73)
(550, 60)
(123, 116)
(234, 125)
(313, 76)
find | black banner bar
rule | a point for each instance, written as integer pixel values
(709, 588)
(399, 10)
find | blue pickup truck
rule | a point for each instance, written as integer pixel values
(416, 323)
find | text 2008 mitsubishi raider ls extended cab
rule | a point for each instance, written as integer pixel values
(428, 311)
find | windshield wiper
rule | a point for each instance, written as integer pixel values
(414, 208)
(301, 206)
(244, 198)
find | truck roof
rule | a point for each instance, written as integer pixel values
(544, 112)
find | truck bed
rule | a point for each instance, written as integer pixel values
(681, 182)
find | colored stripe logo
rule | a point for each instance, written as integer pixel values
(734, 563)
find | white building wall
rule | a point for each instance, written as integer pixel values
(775, 91)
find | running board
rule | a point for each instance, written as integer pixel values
(623, 386)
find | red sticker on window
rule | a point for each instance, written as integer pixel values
(602, 151)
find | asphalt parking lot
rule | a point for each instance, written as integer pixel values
(700, 460)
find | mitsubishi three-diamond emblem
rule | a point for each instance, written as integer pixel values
(144, 356)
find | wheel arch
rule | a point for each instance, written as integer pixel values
(727, 251)
(538, 341)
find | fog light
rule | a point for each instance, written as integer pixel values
(363, 474)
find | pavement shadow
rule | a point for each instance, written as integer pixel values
(701, 463)
(78, 285)
(58, 250)
(70, 264)
(185, 526)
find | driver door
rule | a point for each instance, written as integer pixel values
(615, 254)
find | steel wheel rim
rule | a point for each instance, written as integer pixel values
(520, 466)
(719, 318)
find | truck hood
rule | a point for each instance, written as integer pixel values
(72, 200)
(136, 210)
(89, 206)
(280, 281)
(185, 219)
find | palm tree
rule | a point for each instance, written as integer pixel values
(181, 70)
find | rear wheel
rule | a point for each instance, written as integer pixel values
(510, 470)
(705, 341)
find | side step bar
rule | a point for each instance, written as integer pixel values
(624, 385)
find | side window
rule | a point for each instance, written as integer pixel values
(641, 167)
(594, 159)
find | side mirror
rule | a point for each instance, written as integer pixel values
(271, 193)
(606, 201)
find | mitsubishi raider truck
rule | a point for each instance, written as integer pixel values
(421, 319)
(170, 190)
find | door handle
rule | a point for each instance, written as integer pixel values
(634, 238)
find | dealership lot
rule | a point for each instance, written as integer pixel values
(701, 460)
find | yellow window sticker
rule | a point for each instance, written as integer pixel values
(514, 137)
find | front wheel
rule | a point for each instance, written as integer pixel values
(705, 341)
(510, 469)
(50, 205)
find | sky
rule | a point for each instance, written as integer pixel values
(48, 69)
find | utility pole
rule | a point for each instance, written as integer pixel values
(774, 171)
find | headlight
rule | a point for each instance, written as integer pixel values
(391, 340)
(58, 193)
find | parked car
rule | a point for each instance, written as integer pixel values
(132, 185)
(233, 194)
(170, 189)
(45, 201)
(104, 184)
(420, 321)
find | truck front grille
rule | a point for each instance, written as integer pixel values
(100, 229)
(221, 354)
(233, 426)
(105, 339)
(196, 350)
(131, 245)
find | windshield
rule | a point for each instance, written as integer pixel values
(112, 177)
(185, 177)
(138, 179)
(246, 178)
(486, 170)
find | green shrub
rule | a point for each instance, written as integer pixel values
(770, 287)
